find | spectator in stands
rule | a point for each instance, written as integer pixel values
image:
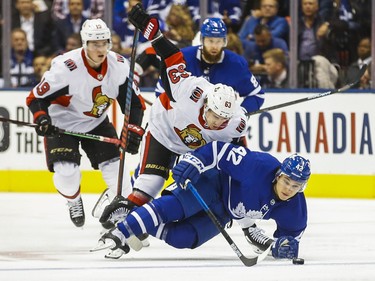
(73, 42)
(276, 68)
(38, 27)
(228, 10)
(277, 25)
(40, 65)
(263, 41)
(92, 9)
(234, 43)
(21, 68)
(365, 81)
(310, 30)
(364, 58)
(72, 23)
(116, 44)
(179, 26)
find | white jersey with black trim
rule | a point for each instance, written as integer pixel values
(179, 125)
(79, 94)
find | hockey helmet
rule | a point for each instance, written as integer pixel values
(296, 168)
(221, 100)
(93, 30)
(213, 27)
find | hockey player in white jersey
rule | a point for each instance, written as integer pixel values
(191, 113)
(74, 95)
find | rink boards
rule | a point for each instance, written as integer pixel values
(337, 134)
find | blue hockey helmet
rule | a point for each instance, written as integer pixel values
(297, 168)
(213, 27)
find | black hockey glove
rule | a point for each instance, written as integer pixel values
(44, 126)
(135, 134)
(116, 211)
(149, 26)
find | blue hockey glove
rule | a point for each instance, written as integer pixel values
(44, 126)
(135, 134)
(189, 168)
(285, 247)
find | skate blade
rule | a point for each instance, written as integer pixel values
(99, 206)
(134, 243)
(114, 254)
(102, 246)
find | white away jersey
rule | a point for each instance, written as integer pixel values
(179, 125)
(80, 95)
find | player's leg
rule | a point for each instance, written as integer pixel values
(63, 158)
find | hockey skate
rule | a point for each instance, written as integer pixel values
(76, 212)
(104, 200)
(260, 242)
(117, 243)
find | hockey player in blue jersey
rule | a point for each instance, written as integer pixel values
(236, 184)
(215, 63)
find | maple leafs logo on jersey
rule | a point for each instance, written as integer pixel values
(191, 136)
(101, 103)
(240, 211)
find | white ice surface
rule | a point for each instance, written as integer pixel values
(39, 242)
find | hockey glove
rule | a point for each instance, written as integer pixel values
(117, 240)
(189, 168)
(285, 247)
(149, 26)
(44, 126)
(135, 134)
(116, 211)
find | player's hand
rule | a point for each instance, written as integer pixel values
(149, 26)
(285, 247)
(44, 126)
(116, 211)
(189, 168)
(135, 134)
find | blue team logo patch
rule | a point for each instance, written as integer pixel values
(70, 64)
(197, 94)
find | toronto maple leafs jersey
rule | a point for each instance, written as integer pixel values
(75, 95)
(178, 124)
(246, 187)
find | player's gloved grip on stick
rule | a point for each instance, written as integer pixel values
(285, 247)
(149, 26)
(135, 134)
(44, 126)
(189, 168)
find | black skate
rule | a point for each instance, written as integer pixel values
(76, 212)
(257, 239)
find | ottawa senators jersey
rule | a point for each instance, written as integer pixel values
(77, 96)
(179, 125)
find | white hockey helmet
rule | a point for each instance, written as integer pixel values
(93, 30)
(222, 100)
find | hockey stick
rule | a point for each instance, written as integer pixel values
(66, 132)
(328, 93)
(124, 131)
(246, 261)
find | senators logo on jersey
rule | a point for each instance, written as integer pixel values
(196, 95)
(101, 103)
(191, 136)
(241, 127)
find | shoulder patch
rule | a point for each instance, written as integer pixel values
(242, 126)
(196, 95)
(120, 58)
(70, 64)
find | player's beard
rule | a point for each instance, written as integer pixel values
(211, 58)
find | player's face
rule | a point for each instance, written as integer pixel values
(286, 188)
(97, 50)
(212, 48)
(213, 120)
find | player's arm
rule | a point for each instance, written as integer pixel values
(220, 155)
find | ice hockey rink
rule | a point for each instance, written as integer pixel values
(39, 242)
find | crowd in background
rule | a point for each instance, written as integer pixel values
(334, 37)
